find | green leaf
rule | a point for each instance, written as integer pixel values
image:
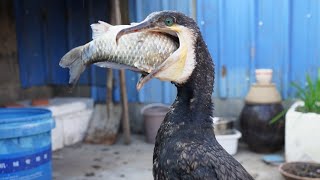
(310, 95)
(278, 116)
(301, 92)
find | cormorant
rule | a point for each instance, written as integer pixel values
(186, 147)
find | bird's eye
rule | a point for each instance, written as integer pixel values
(168, 21)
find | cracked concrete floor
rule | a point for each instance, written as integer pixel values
(134, 162)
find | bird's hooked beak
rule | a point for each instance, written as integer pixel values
(147, 25)
(144, 26)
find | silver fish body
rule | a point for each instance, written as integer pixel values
(141, 51)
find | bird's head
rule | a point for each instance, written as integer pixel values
(179, 66)
(170, 22)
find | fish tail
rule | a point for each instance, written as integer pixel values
(75, 62)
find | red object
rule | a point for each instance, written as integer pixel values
(40, 102)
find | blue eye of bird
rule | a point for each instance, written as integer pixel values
(168, 21)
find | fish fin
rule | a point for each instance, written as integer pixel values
(99, 28)
(116, 66)
(73, 60)
(105, 24)
(71, 57)
(143, 67)
(75, 71)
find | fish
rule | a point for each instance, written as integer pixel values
(141, 51)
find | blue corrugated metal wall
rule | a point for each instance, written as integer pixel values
(46, 30)
(241, 36)
(244, 35)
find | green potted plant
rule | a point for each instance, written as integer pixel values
(302, 129)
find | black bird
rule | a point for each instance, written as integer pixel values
(186, 147)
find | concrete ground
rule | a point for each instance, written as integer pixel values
(134, 162)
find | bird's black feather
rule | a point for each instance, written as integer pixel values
(186, 147)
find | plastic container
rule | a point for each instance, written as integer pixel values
(153, 115)
(72, 117)
(25, 143)
(229, 142)
(264, 76)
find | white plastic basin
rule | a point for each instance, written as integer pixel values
(230, 141)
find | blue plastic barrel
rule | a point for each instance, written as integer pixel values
(25, 143)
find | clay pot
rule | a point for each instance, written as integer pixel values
(300, 171)
(153, 115)
(258, 133)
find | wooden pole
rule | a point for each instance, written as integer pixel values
(125, 115)
(109, 91)
(123, 87)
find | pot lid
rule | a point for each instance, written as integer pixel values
(263, 94)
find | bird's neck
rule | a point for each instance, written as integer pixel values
(193, 103)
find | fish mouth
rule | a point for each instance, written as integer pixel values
(147, 26)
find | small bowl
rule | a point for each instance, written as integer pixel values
(264, 76)
(223, 125)
(300, 171)
(229, 141)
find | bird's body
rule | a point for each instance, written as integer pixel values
(186, 147)
(192, 152)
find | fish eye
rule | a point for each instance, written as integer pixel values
(168, 21)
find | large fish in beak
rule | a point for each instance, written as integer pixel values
(141, 52)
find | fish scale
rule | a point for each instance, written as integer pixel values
(150, 49)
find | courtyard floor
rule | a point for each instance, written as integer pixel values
(134, 162)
